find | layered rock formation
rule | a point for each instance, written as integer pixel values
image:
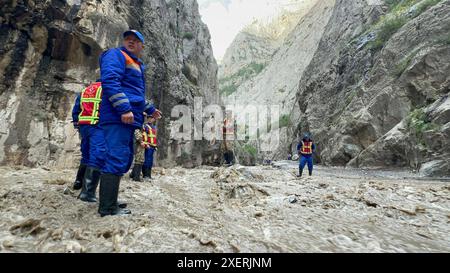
(49, 51)
(267, 48)
(369, 79)
(263, 66)
(375, 92)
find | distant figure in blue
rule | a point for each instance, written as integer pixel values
(306, 148)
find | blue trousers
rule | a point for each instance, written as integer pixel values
(119, 148)
(148, 163)
(304, 160)
(93, 147)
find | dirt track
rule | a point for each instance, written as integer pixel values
(238, 209)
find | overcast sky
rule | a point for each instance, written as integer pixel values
(225, 18)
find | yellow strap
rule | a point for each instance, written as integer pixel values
(99, 93)
(91, 100)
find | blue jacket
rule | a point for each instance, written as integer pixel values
(76, 110)
(123, 88)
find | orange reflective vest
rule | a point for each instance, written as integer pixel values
(90, 100)
(228, 128)
(149, 136)
(306, 148)
(130, 62)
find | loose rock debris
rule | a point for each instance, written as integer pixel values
(234, 209)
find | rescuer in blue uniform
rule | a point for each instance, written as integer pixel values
(306, 148)
(85, 117)
(122, 111)
(82, 167)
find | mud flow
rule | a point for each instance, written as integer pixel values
(235, 209)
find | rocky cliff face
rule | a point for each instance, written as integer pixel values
(49, 51)
(272, 78)
(262, 48)
(369, 79)
(375, 93)
(258, 42)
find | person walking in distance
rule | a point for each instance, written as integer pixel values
(306, 148)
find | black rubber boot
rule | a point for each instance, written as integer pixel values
(90, 182)
(132, 173)
(147, 173)
(310, 172)
(136, 173)
(78, 184)
(109, 191)
(300, 172)
(226, 157)
(231, 156)
(122, 204)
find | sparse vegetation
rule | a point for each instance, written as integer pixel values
(245, 73)
(396, 6)
(392, 3)
(418, 123)
(424, 5)
(188, 35)
(228, 89)
(251, 150)
(401, 67)
(351, 96)
(400, 11)
(285, 121)
(447, 40)
(388, 28)
(228, 84)
(250, 70)
(444, 40)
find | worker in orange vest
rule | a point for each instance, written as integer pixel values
(306, 148)
(93, 148)
(145, 140)
(85, 118)
(152, 131)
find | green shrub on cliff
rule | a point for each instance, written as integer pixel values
(418, 123)
(400, 12)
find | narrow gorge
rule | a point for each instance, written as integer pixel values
(370, 81)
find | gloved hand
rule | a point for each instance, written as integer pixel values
(157, 114)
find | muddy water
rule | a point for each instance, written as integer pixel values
(238, 209)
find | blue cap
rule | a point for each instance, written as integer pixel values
(136, 33)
